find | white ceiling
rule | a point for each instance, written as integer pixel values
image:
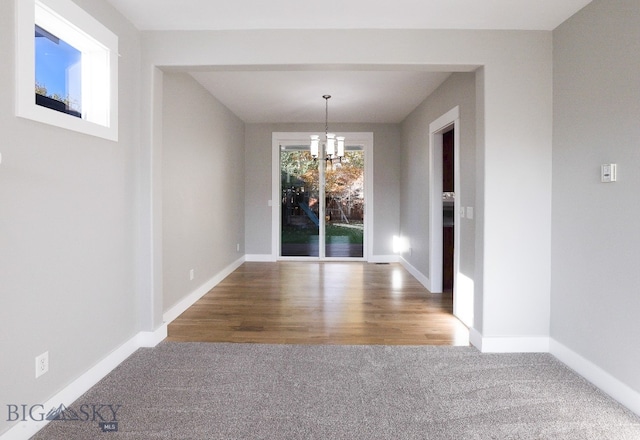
(296, 96)
(348, 14)
(363, 95)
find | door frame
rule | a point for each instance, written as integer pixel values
(278, 139)
(437, 128)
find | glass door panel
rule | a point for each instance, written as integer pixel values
(344, 205)
(322, 204)
(300, 216)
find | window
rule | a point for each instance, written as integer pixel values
(70, 61)
(58, 74)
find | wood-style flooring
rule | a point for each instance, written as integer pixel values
(321, 303)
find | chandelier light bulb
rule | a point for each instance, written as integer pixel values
(315, 141)
(340, 140)
(331, 145)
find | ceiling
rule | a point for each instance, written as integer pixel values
(348, 14)
(296, 95)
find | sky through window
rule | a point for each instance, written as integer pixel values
(58, 68)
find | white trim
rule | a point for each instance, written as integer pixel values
(422, 278)
(461, 309)
(26, 429)
(508, 344)
(475, 338)
(383, 259)
(323, 259)
(585, 368)
(291, 138)
(435, 211)
(458, 306)
(99, 120)
(278, 138)
(194, 296)
(618, 390)
(275, 194)
(151, 339)
(259, 257)
(369, 195)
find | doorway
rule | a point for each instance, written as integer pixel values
(448, 215)
(444, 206)
(321, 205)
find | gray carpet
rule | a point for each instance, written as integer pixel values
(253, 391)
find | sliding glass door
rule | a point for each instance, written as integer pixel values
(344, 205)
(322, 204)
(299, 203)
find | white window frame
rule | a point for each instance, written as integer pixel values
(99, 47)
(364, 139)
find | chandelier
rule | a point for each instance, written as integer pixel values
(333, 145)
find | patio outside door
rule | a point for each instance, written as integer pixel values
(322, 204)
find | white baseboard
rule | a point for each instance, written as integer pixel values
(508, 344)
(194, 296)
(383, 259)
(259, 257)
(475, 338)
(618, 390)
(151, 339)
(423, 279)
(271, 258)
(26, 429)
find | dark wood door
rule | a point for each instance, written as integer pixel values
(448, 179)
(447, 162)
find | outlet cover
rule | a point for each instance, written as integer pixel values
(42, 364)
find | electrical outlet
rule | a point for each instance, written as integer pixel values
(191, 273)
(42, 364)
(238, 247)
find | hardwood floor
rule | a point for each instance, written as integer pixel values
(321, 303)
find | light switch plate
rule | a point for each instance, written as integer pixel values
(608, 172)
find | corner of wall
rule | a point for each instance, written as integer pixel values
(508, 344)
(422, 278)
(618, 390)
(194, 296)
(26, 429)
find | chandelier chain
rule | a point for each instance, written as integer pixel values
(329, 145)
(326, 115)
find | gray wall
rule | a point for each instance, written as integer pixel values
(458, 90)
(596, 240)
(386, 181)
(514, 148)
(67, 215)
(80, 217)
(203, 186)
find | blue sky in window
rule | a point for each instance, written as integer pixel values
(57, 69)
